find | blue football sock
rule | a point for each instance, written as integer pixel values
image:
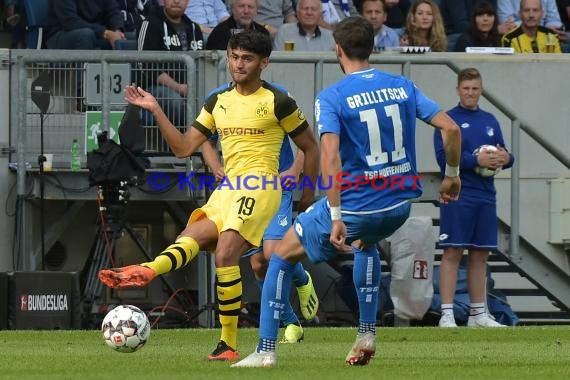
(288, 315)
(300, 277)
(274, 297)
(366, 277)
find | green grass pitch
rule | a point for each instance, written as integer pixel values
(402, 353)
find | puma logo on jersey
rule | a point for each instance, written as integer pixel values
(223, 108)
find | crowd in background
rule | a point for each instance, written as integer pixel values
(539, 26)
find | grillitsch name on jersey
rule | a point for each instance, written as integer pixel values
(43, 302)
(375, 97)
(240, 131)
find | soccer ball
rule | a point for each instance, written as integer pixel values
(125, 328)
(486, 172)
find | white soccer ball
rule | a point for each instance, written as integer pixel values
(486, 172)
(125, 328)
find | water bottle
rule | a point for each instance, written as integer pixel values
(75, 156)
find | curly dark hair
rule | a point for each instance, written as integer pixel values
(252, 41)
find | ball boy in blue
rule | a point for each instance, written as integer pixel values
(471, 222)
(366, 124)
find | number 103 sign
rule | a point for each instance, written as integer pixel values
(119, 77)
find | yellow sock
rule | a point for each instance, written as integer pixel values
(229, 289)
(175, 256)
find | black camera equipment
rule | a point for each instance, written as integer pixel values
(114, 168)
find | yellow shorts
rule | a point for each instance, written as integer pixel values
(245, 209)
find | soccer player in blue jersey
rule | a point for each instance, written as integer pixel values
(366, 124)
(471, 222)
(289, 167)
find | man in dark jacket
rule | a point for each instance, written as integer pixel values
(83, 24)
(242, 14)
(169, 29)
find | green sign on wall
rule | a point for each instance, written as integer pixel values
(93, 127)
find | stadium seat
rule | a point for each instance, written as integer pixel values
(36, 14)
(126, 45)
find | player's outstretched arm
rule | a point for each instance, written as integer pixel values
(451, 136)
(182, 145)
(308, 145)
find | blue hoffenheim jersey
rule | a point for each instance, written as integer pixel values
(374, 114)
(286, 155)
(478, 128)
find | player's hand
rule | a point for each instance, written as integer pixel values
(488, 159)
(289, 179)
(139, 97)
(503, 156)
(449, 189)
(338, 236)
(219, 173)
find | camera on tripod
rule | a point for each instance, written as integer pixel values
(113, 168)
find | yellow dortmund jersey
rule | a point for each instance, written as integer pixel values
(251, 128)
(522, 43)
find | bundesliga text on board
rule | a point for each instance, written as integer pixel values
(43, 302)
(160, 181)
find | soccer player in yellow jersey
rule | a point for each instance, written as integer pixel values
(251, 118)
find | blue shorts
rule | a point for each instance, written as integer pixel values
(468, 223)
(279, 224)
(313, 228)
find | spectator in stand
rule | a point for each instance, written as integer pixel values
(564, 12)
(550, 17)
(457, 18)
(336, 10)
(471, 222)
(169, 29)
(397, 11)
(274, 13)
(15, 23)
(132, 11)
(11, 13)
(375, 12)
(530, 36)
(484, 29)
(306, 34)
(424, 27)
(242, 17)
(207, 13)
(83, 24)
